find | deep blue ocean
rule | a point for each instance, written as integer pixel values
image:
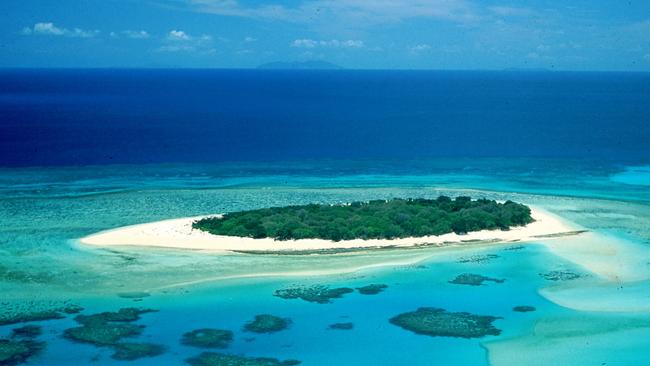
(82, 117)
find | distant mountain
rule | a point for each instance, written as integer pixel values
(297, 65)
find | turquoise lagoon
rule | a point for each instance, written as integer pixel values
(594, 319)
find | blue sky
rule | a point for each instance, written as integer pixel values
(369, 34)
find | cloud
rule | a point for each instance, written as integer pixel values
(357, 13)
(419, 48)
(334, 43)
(131, 34)
(49, 29)
(179, 41)
(178, 35)
(510, 11)
(250, 39)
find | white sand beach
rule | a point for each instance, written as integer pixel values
(179, 234)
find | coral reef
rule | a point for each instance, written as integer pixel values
(208, 338)
(436, 322)
(221, 359)
(341, 326)
(317, 293)
(134, 351)
(560, 275)
(372, 289)
(27, 331)
(523, 308)
(471, 279)
(479, 258)
(14, 352)
(266, 323)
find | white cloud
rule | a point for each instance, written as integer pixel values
(333, 43)
(141, 34)
(136, 34)
(419, 48)
(178, 35)
(49, 29)
(510, 11)
(358, 13)
(180, 41)
(250, 39)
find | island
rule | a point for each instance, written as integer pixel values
(334, 228)
(378, 219)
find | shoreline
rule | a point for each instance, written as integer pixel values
(179, 234)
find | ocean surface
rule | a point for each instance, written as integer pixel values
(88, 150)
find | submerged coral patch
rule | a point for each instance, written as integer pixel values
(109, 328)
(14, 352)
(221, 359)
(27, 331)
(372, 289)
(341, 326)
(436, 322)
(266, 323)
(318, 293)
(208, 338)
(523, 308)
(134, 351)
(471, 279)
(560, 275)
(479, 258)
(23, 312)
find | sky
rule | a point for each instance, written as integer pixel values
(585, 35)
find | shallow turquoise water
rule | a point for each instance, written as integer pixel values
(43, 210)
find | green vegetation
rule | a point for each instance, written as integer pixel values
(222, 359)
(208, 338)
(317, 293)
(379, 219)
(266, 323)
(437, 322)
(471, 279)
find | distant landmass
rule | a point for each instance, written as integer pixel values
(297, 65)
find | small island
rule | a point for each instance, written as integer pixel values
(378, 219)
(334, 228)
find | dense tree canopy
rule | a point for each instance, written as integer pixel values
(379, 219)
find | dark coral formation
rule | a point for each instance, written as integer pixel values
(514, 247)
(523, 308)
(14, 352)
(471, 279)
(208, 338)
(560, 275)
(134, 351)
(436, 322)
(109, 328)
(372, 289)
(35, 311)
(341, 326)
(266, 323)
(318, 293)
(133, 295)
(21, 346)
(221, 359)
(479, 258)
(27, 331)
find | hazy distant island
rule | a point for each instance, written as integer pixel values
(300, 65)
(378, 219)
